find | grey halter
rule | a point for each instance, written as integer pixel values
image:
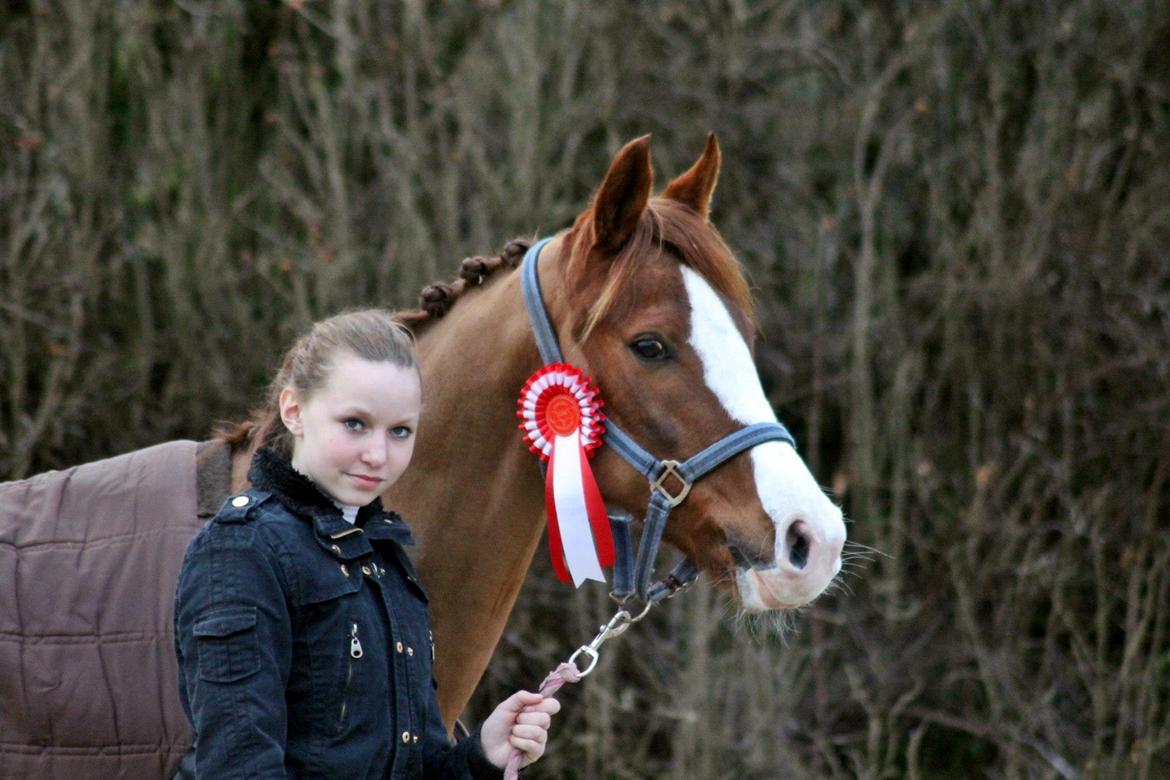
(670, 480)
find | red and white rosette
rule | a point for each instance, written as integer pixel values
(560, 415)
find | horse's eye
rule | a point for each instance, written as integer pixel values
(649, 348)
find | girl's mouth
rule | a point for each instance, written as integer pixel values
(366, 481)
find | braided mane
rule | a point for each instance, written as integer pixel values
(435, 299)
(664, 224)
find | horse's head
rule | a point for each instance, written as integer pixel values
(660, 314)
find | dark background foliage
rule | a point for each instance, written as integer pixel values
(955, 216)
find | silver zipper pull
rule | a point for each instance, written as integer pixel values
(355, 644)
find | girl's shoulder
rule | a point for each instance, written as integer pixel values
(244, 507)
(251, 508)
(255, 529)
(311, 568)
(251, 518)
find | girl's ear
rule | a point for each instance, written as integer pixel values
(290, 411)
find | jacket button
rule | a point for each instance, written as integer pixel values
(366, 570)
(398, 647)
(240, 501)
(405, 737)
(410, 651)
(336, 550)
(344, 570)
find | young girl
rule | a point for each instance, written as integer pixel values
(301, 627)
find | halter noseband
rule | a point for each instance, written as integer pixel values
(670, 480)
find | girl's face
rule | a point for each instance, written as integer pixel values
(354, 435)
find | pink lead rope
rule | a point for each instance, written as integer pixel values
(567, 672)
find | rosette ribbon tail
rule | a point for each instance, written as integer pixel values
(598, 516)
(575, 512)
(555, 546)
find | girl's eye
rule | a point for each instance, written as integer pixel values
(353, 424)
(650, 348)
(401, 432)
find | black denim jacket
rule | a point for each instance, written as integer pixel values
(303, 642)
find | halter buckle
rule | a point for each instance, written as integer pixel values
(670, 469)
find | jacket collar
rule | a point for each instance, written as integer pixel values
(269, 471)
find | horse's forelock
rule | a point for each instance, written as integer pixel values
(701, 247)
(664, 224)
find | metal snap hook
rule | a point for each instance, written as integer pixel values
(593, 656)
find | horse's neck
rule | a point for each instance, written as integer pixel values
(473, 493)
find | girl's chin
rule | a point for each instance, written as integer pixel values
(355, 491)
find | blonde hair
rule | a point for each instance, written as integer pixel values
(371, 334)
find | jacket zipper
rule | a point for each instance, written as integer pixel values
(355, 652)
(355, 644)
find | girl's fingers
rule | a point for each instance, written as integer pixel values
(542, 719)
(531, 749)
(521, 701)
(551, 706)
(532, 733)
(531, 722)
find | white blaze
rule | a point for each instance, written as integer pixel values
(783, 482)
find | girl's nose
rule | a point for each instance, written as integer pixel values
(375, 452)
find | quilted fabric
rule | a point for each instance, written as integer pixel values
(89, 557)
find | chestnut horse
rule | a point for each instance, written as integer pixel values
(645, 298)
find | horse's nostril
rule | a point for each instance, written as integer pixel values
(737, 555)
(798, 545)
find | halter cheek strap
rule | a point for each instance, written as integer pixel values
(670, 480)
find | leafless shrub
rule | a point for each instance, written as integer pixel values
(954, 215)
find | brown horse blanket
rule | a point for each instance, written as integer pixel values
(89, 558)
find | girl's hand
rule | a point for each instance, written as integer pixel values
(521, 721)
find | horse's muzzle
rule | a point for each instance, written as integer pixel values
(804, 564)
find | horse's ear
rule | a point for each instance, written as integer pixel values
(694, 187)
(622, 197)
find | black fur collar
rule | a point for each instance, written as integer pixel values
(271, 472)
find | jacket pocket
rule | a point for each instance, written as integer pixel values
(227, 645)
